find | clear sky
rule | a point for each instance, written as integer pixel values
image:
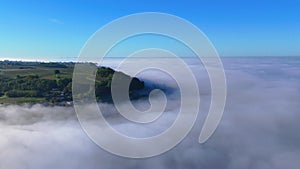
(57, 29)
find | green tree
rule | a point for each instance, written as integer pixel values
(56, 72)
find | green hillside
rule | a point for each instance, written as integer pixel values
(35, 82)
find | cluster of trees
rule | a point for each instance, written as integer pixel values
(104, 79)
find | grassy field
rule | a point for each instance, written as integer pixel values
(42, 71)
(20, 100)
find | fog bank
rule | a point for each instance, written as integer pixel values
(259, 129)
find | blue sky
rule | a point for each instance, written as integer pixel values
(57, 30)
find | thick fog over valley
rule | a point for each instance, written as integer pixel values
(259, 128)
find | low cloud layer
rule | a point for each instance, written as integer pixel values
(259, 128)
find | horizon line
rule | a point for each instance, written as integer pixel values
(120, 57)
